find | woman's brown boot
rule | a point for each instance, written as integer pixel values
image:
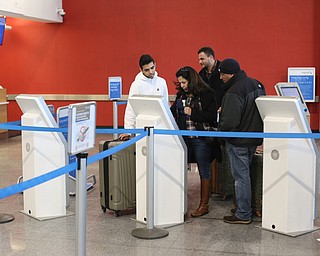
(203, 207)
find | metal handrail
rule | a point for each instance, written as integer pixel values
(77, 97)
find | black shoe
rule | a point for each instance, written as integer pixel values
(235, 220)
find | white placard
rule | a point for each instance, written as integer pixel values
(81, 127)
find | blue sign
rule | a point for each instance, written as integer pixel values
(115, 88)
(305, 77)
(2, 28)
(305, 84)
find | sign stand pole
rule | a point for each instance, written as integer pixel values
(81, 204)
(115, 118)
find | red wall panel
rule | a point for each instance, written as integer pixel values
(106, 38)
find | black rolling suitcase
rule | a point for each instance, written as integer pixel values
(117, 176)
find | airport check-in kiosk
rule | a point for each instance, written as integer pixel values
(42, 152)
(290, 168)
(170, 163)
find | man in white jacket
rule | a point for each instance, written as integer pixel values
(147, 82)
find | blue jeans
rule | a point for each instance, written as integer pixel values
(202, 154)
(240, 160)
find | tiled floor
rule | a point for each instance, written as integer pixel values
(110, 235)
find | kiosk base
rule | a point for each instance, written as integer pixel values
(48, 218)
(292, 234)
(153, 233)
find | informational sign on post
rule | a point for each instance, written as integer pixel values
(81, 127)
(305, 77)
(115, 87)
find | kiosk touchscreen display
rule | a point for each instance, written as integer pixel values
(36, 105)
(291, 91)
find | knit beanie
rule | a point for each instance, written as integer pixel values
(229, 66)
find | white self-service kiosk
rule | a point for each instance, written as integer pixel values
(170, 163)
(290, 168)
(42, 152)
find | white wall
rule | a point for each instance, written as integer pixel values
(38, 10)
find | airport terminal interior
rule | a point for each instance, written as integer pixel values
(107, 234)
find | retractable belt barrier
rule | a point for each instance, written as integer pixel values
(141, 133)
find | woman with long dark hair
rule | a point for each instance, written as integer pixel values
(195, 108)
